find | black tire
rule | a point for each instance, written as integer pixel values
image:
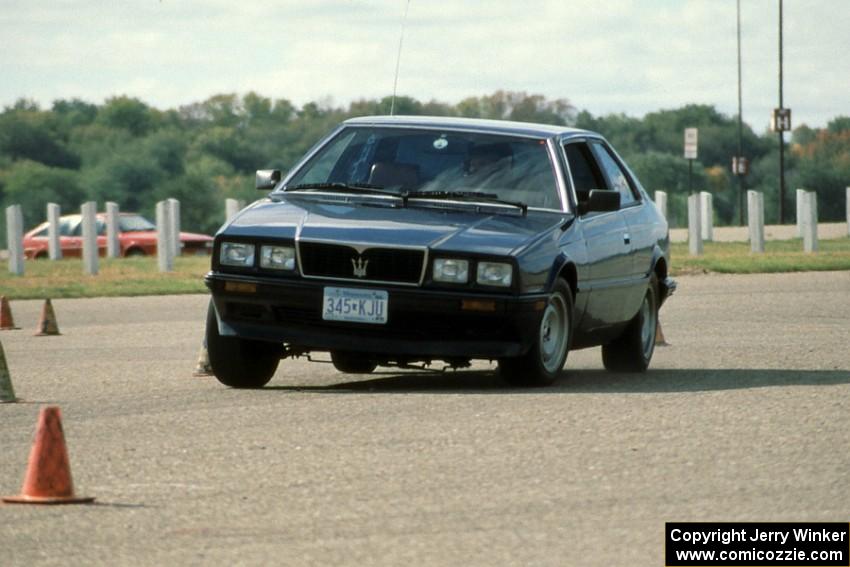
(633, 350)
(352, 362)
(543, 362)
(135, 253)
(240, 363)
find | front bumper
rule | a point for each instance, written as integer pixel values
(420, 322)
(668, 287)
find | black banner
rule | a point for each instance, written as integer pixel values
(745, 544)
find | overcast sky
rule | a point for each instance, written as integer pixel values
(630, 56)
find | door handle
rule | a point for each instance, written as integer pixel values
(627, 238)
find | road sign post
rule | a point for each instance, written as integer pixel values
(691, 143)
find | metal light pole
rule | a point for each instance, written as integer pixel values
(738, 172)
(781, 131)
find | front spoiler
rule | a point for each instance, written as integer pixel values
(421, 322)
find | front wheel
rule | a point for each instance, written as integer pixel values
(240, 363)
(632, 351)
(542, 363)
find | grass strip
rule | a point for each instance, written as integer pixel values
(779, 256)
(140, 276)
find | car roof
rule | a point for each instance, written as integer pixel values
(472, 124)
(100, 214)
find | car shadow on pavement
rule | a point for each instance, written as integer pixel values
(582, 381)
(698, 380)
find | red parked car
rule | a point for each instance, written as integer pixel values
(136, 237)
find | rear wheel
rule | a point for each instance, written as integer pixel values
(240, 363)
(543, 362)
(352, 362)
(135, 252)
(632, 351)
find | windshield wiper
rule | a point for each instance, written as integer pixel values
(466, 196)
(360, 188)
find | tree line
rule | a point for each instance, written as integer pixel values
(134, 154)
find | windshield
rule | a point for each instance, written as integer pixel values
(411, 160)
(135, 223)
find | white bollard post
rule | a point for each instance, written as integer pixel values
(231, 207)
(694, 230)
(113, 247)
(54, 249)
(706, 209)
(89, 224)
(801, 195)
(810, 222)
(15, 239)
(755, 215)
(163, 238)
(174, 229)
(848, 211)
(661, 202)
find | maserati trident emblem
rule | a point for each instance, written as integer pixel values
(359, 267)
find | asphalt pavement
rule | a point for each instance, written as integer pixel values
(743, 418)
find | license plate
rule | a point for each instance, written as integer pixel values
(355, 305)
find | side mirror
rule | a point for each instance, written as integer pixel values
(267, 178)
(601, 201)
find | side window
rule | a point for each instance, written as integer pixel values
(585, 173)
(615, 174)
(66, 227)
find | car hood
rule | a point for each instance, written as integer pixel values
(151, 235)
(367, 223)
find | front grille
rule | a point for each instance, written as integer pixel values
(394, 265)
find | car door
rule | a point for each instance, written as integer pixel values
(606, 240)
(638, 223)
(70, 236)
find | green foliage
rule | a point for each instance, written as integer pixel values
(520, 106)
(27, 133)
(128, 114)
(127, 178)
(128, 152)
(824, 167)
(32, 185)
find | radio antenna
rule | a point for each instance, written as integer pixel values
(398, 57)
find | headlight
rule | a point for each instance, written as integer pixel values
(277, 257)
(451, 271)
(495, 273)
(237, 254)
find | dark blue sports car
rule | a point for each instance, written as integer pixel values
(403, 240)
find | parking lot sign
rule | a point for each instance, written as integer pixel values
(691, 135)
(781, 120)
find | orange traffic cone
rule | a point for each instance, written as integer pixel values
(48, 478)
(7, 322)
(7, 392)
(47, 324)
